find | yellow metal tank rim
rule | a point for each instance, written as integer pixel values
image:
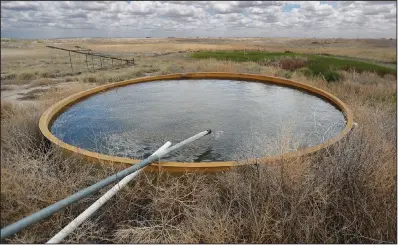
(51, 113)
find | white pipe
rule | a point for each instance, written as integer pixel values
(162, 151)
(102, 200)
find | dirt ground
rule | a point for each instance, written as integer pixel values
(377, 49)
(32, 60)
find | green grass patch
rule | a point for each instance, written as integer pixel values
(328, 66)
(239, 56)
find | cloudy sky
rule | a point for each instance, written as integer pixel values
(202, 18)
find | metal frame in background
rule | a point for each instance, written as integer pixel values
(89, 52)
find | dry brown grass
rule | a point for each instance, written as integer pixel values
(292, 63)
(346, 194)
(21, 55)
(7, 109)
(43, 82)
(286, 63)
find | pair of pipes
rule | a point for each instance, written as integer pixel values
(125, 176)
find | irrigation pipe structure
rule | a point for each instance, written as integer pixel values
(48, 211)
(101, 201)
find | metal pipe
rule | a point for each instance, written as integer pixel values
(101, 201)
(187, 141)
(48, 211)
(70, 60)
(87, 64)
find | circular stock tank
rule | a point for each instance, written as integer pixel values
(252, 117)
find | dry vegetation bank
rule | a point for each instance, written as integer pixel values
(346, 194)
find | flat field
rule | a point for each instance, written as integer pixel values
(344, 195)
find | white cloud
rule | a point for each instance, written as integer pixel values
(20, 6)
(205, 18)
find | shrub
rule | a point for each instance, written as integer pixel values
(90, 79)
(331, 76)
(306, 71)
(152, 70)
(68, 79)
(286, 63)
(285, 74)
(9, 76)
(269, 62)
(7, 109)
(139, 73)
(47, 75)
(26, 76)
(174, 69)
(292, 64)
